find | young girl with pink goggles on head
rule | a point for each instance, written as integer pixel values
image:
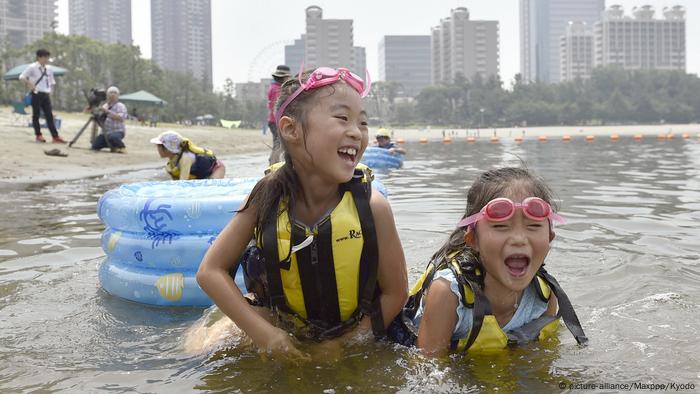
(316, 270)
(486, 288)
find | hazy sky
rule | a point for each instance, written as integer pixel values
(248, 36)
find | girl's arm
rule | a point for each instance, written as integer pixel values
(439, 319)
(391, 276)
(213, 277)
(185, 167)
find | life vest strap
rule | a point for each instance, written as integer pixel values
(566, 310)
(529, 332)
(368, 301)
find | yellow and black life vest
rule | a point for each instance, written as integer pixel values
(486, 334)
(201, 167)
(324, 278)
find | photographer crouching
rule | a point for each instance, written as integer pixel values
(113, 129)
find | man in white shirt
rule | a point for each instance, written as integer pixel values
(39, 79)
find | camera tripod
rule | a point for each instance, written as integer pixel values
(96, 122)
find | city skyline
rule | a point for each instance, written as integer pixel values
(261, 47)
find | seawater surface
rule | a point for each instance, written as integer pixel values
(627, 257)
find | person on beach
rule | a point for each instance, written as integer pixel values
(280, 75)
(384, 142)
(185, 159)
(327, 263)
(486, 287)
(39, 79)
(113, 127)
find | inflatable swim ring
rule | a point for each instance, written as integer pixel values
(375, 157)
(158, 232)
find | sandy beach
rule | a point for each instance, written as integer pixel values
(24, 160)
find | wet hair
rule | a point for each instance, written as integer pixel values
(42, 53)
(284, 182)
(489, 185)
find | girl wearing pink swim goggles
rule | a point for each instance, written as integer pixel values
(316, 270)
(486, 288)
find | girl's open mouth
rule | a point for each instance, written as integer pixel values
(348, 154)
(517, 264)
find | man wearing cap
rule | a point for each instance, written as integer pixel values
(280, 75)
(384, 142)
(113, 128)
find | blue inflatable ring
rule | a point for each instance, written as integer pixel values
(164, 209)
(375, 157)
(156, 287)
(158, 232)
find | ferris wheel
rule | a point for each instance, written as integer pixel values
(265, 61)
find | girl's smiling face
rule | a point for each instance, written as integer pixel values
(337, 132)
(512, 251)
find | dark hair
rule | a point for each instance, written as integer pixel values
(489, 185)
(42, 53)
(283, 182)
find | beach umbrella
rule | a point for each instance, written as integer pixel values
(14, 73)
(143, 97)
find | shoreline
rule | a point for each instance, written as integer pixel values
(24, 161)
(533, 133)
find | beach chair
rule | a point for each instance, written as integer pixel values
(19, 114)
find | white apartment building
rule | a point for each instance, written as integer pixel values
(108, 21)
(577, 50)
(461, 45)
(24, 21)
(641, 41)
(329, 42)
(181, 37)
(542, 23)
(405, 60)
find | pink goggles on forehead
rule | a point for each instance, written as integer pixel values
(324, 76)
(501, 209)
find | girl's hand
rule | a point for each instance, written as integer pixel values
(280, 343)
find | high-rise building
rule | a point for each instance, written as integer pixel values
(181, 37)
(405, 60)
(641, 41)
(294, 54)
(464, 46)
(329, 42)
(542, 23)
(24, 21)
(107, 20)
(577, 52)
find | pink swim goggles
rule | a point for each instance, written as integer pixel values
(324, 76)
(501, 209)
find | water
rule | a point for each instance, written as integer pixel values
(628, 258)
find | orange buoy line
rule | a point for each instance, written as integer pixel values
(447, 140)
(614, 137)
(471, 139)
(494, 140)
(566, 138)
(400, 141)
(423, 140)
(661, 137)
(518, 139)
(542, 138)
(638, 137)
(590, 138)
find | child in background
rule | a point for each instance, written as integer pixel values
(486, 288)
(384, 142)
(185, 159)
(316, 269)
